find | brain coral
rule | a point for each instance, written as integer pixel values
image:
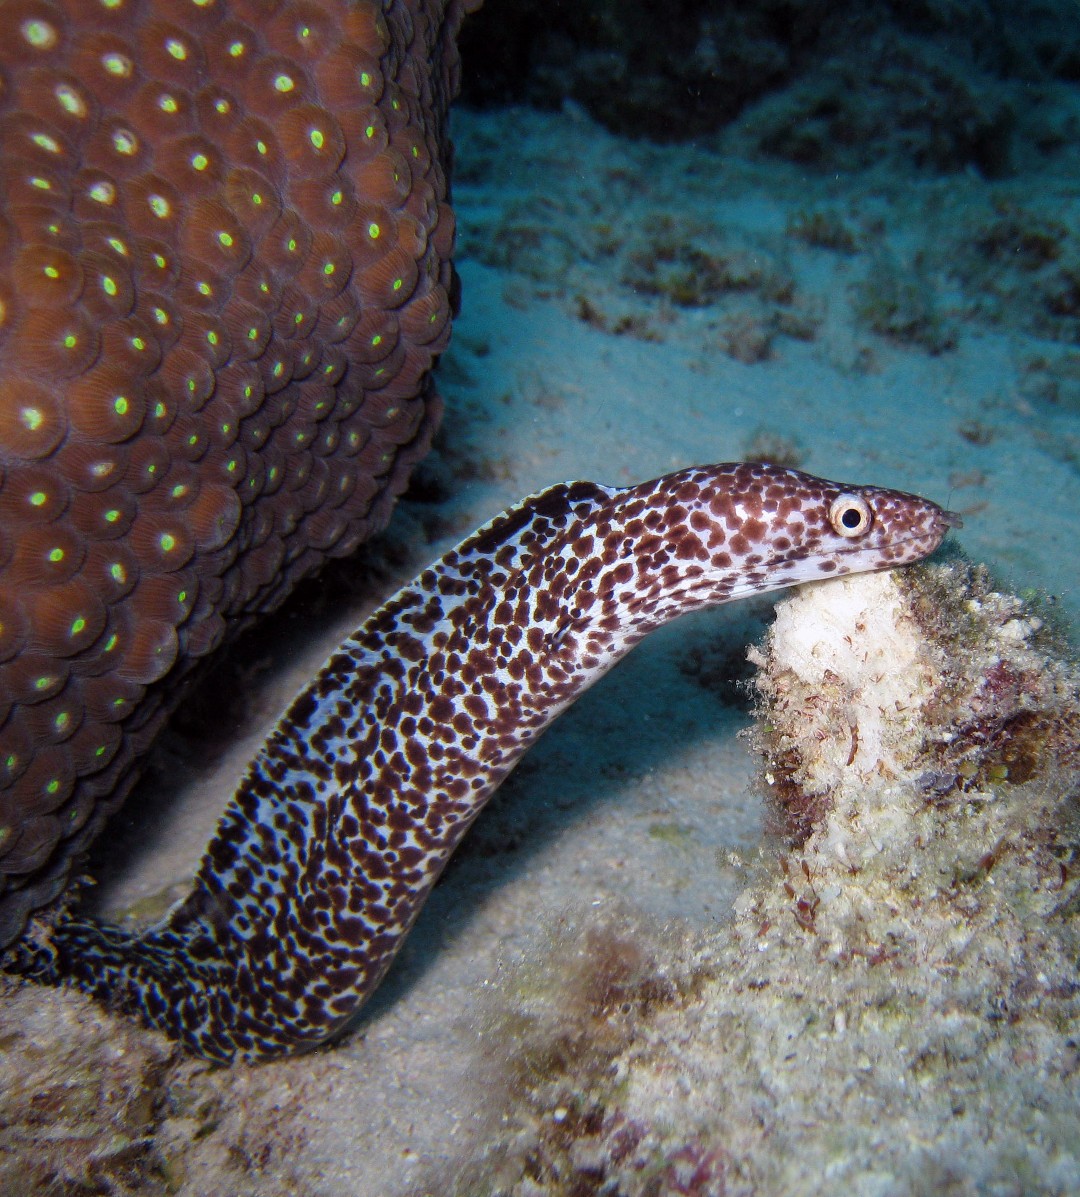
(224, 278)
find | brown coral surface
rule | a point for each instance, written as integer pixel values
(224, 278)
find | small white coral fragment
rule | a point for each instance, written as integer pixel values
(926, 679)
(846, 678)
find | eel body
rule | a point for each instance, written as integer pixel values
(351, 809)
(225, 274)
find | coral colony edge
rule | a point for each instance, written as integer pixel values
(348, 814)
(225, 241)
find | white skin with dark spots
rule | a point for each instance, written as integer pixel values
(348, 814)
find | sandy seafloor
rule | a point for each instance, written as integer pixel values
(586, 349)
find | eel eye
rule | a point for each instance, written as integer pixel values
(850, 515)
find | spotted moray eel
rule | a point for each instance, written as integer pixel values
(351, 809)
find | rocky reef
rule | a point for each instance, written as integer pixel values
(898, 983)
(935, 85)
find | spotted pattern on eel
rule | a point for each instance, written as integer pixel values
(348, 814)
(224, 277)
